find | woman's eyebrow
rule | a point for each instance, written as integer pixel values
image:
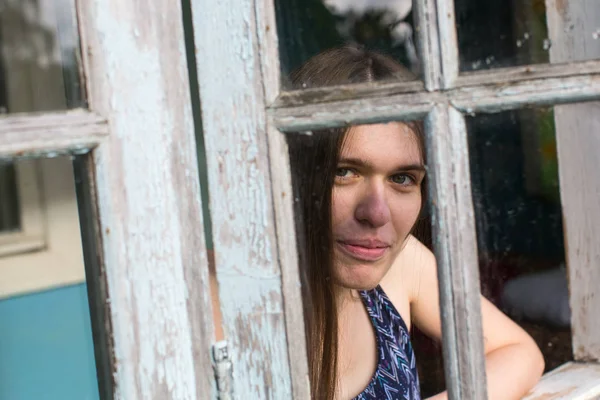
(359, 162)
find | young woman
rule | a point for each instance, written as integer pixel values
(367, 279)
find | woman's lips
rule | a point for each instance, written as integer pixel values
(363, 253)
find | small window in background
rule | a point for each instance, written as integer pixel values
(9, 206)
(39, 56)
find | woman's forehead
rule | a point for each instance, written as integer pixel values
(392, 140)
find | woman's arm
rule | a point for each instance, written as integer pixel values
(514, 364)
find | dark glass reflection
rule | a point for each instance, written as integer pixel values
(495, 33)
(514, 173)
(308, 27)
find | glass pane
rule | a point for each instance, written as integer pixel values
(9, 207)
(359, 194)
(39, 63)
(309, 27)
(514, 173)
(499, 33)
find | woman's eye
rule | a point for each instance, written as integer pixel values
(403, 179)
(344, 173)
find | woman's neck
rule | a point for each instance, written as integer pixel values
(345, 296)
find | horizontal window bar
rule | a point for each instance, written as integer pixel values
(499, 76)
(528, 72)
(546, 91)
(512, 88)
(46, 134)
(340, 113)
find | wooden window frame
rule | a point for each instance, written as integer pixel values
(441, 100)
(145, 255)
(139, 195)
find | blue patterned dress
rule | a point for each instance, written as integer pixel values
(396, 374)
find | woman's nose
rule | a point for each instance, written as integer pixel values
(373, 209)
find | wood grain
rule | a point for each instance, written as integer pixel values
(148, 200)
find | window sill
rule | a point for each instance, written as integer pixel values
(573, 381)
(16, 243)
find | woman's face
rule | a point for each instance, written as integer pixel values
(376, 201)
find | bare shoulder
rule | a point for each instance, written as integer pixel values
(414, 259)
(404, 279)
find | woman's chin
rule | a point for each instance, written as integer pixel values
(359, 277)
(352, 273)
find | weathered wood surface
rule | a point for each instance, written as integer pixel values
(281, 186)
(235, 87)
(572, 381)
(45, 134)
(342, 113)
(448, 43)
(455, 245)
(428, 36)
(495, 97)
(572, 26)
(345, 92)
(148, 200)
(501, 78)
(510, 91)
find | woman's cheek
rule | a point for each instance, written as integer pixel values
(406, 211)
(339, 207)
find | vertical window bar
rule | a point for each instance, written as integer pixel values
(437, 42)
(448, 43)
(428, 43)
(281, 181)
(455, 245)
(570, 27)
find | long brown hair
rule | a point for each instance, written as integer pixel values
(314, 159)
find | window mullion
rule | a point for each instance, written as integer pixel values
(455, 245)
(578, 142)
(448, 43)
(437, 42)
(281, 187)
(428, 43)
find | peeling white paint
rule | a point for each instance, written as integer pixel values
(147, 182)
(234, 118)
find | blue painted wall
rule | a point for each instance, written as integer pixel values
(46, 349)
